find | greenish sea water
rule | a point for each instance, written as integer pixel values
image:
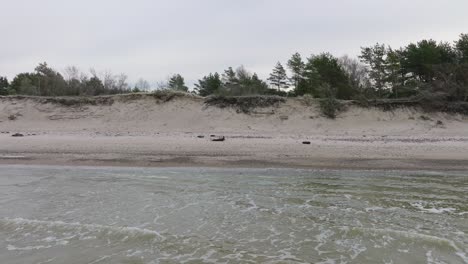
(204, 215)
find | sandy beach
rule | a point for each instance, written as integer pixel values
(145, 131)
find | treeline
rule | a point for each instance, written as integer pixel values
(45, 81)
(428, 67)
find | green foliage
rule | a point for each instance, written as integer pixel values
(241, 82)
(375, 58)
(332, 74)
(419, 59)
(329, 105)
(177, 83)
(297, 67)
(435, 72)
(208, 85)
(169, 95)
(450, 80)
(278, 78)
(25, 84)
(49, 82)
(4, 85)
(78, 101)
(93, 86)
(308, 99)
(244, 104)
(310, 83)
(461, 46)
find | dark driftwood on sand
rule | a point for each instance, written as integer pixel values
(218, 139)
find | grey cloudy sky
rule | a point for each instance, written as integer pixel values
(151, 39)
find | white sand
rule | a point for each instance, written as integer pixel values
(146, 132)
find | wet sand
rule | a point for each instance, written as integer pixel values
(188, 150)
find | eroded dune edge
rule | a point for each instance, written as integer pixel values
(147, 130)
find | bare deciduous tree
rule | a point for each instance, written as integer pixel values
(357, 72)
(142, 85)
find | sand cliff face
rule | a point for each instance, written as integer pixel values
(146, 114)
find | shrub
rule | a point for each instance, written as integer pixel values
(331, 107)
(244, 104)
(308, 99)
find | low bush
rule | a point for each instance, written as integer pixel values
(244, 104)
(331, 107)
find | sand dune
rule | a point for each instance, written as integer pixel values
(144, 130)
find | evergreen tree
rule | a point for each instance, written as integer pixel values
(177, 82)
(25, 84)
(258, 84)
(374, 57)
(310, 82)
(462, 48)
(394, 74)
(208, 85)
(278, 78)
(418, 59)
(331, 73)
(230, 80)
(93, 86)
(297, 67)
(4, 85)
(50, 82)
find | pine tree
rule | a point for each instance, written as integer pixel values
(375, 57)
(296, 65)
(208, 85)
(462, 47)
(4, 85)
(177, 82)
(278, 78)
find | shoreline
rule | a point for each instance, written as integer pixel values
(186, 150)
(391, 165)
(147, 132)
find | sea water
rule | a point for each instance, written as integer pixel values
(200, 215)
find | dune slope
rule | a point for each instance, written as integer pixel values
(146, 130)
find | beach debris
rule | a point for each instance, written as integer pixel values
(306, 142)
(212, 135)
(200, 136)
(12, 117)
(425, 118)
(440, 124)
(17, 135)
(221, 138)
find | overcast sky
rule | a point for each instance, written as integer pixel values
(152, 39)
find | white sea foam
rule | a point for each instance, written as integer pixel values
(123, 232)
(14, 248)
(433, 210)
(420, 237)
